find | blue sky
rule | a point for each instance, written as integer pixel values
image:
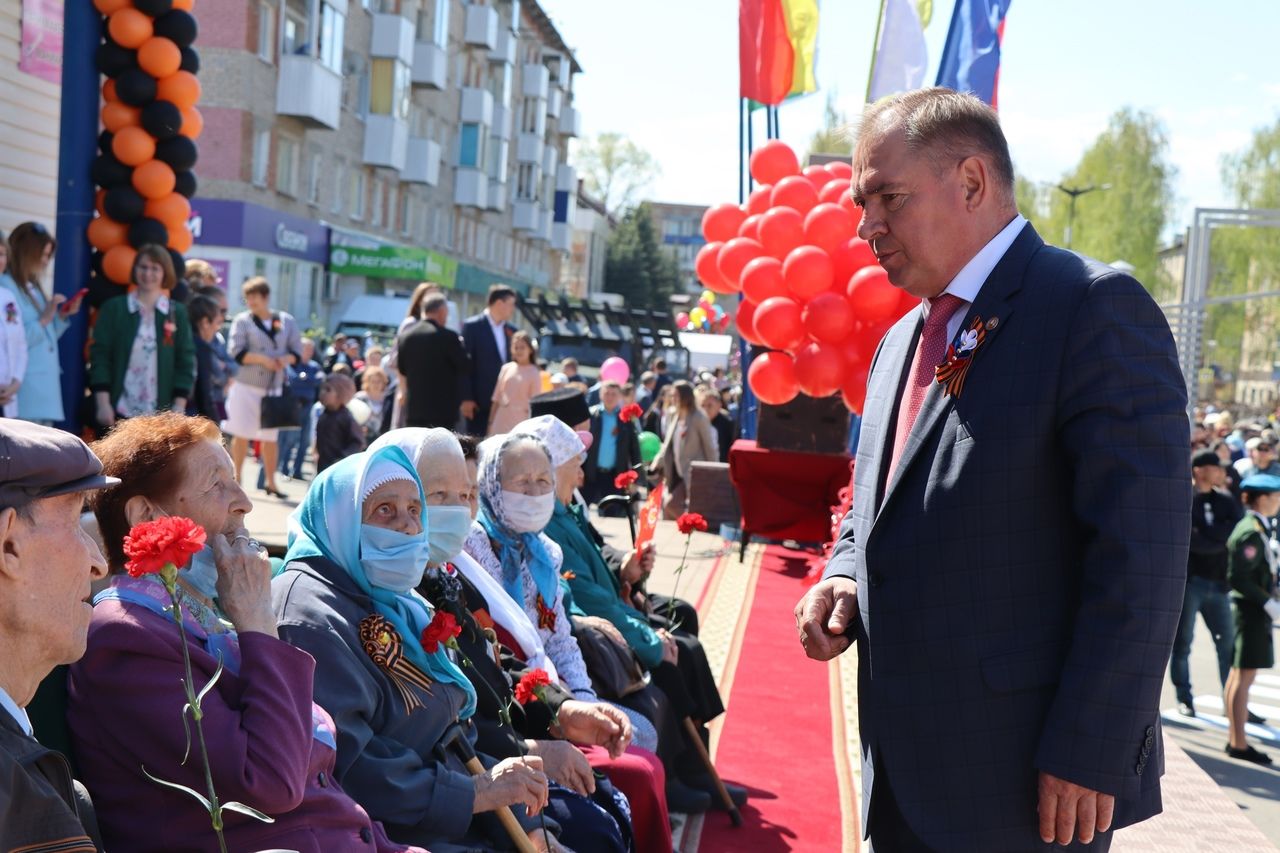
(665, 73)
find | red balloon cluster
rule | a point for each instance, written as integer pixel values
(813, 292)
(150, 121)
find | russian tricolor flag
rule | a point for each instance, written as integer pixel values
(971, 58)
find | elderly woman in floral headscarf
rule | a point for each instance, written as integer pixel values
(346, 595)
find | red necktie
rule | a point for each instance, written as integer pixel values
(931, 349)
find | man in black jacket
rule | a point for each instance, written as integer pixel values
(1214, 514)
(434, 365)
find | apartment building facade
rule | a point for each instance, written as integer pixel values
(679, 228)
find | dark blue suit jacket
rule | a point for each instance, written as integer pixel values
(486, 361)
(1021, 578)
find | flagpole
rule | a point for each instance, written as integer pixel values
(751, 183)
(742, 157)
(875, 48)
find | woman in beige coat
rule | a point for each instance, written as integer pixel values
(689, 439)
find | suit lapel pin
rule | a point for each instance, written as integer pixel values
(951, 373)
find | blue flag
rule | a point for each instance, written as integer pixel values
(971, 57)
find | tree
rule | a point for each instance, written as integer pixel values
(1033, 201)
(635, 264)
(615, 170)
(834, 137)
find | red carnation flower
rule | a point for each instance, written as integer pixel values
(152, 545)
(625, 480)
(629, 411)
(443, 629)
(527, 688)
(691, 521)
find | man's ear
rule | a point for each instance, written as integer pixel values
(974, 179)
(139, 508)
(10, 527)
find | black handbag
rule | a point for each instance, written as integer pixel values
(614, 668)
(284, 410)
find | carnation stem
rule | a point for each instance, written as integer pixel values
(671, 603)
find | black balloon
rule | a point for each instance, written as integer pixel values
(179, 263)
(104, 141)
(185, 184)
(190, 60)
(179, 152)
(178, 26)
(101, 288)
(153, 7)
(136, 87)
(123, 204)
(112, 59)
(95, 263)
(108, 172)
(145, 231)
(161, 119)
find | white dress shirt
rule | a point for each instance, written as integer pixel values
(19, 714)
(499, 334)
(968, 282)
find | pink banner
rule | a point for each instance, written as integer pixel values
(42, 39)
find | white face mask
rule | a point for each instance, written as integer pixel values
(528, 513)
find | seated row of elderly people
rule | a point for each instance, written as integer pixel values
(333, 714)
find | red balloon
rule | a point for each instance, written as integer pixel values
(750, 227)
(708, 272)
(873, 297)
(772, 376)
(746, 321)
(850, 258)
(854, 390)
(819, 369)
(906, 302)
(795, 192)
(721, 222)
(851, 352)
(762, 278)
(866, 337)
(840, 169)
(735, 255)
(828, 317)
(781, 230)
(777, 323)
(833, 190)
(846, 201)
(758, 201)
(773, 161)
(828, 226)
(808, 271)
(818, 176)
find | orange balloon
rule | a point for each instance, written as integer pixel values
(192, 123)
(117, 263)
(104, 233)
(159, 57)
(184, 5)
(109, 91)
(180, 239)
(117, 116)
(181, 88)
(110, 7)
(153, 179)
(99, 199)
(129, 27)
(133, 146)
(173, 210)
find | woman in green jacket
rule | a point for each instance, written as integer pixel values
(142, 358)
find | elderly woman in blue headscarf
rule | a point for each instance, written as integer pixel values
(358, 546)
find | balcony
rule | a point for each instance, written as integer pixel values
(528, 148)
(497, 196)
(570, 122)
(550, 159)
(543, 232)
(535, 80)
(525, 215)
(392, 38)
(567, 179)
(501, 123)
(309, 91)
(430, 66)
(386, 141)
(561, 236)
(471, 188)
(505, 50)
(554, 100)
(477, 106)
(422, 164)
(482, 26)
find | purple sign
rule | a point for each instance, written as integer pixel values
(42, 39)
(222, 222)
(222, 269)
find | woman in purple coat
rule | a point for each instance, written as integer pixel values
(269, 745)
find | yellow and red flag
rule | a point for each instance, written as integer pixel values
(777, 48)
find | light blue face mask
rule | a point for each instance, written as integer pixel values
(202, 573)
(391, 559)
(449, 526)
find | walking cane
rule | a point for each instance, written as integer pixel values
(454, 739)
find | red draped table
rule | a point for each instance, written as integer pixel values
(786, 495)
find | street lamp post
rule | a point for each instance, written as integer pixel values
(1074, 193)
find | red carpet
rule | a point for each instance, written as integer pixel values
(777, 733)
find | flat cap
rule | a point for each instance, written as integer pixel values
(41, 462)
(1261, 483)
(568, 404)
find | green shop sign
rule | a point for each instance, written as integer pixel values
(393, 262)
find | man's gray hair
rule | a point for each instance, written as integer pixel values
(434, 303)
(946, 126)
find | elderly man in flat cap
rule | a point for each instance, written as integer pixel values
(47, 564)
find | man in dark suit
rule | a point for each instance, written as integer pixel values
(487, 337)
(615, 446)
(1013, 565)
(435, 367)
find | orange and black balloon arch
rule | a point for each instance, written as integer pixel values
(147, 148)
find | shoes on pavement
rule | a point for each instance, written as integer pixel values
(686, 800)
(1249, 754)
(1257, 720)
(1186, 709)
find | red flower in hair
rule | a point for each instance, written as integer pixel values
(691, 521)
(443, 629)
(625, 480)
(153, 545)
(527, 688)
(629, 411)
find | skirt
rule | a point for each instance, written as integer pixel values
(244, 414)
(1254, 648)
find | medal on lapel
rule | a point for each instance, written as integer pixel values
(384, 645)
(951, 373)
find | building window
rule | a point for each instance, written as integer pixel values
(357, 194)
(296, 39)
(333, 28)
(527, 182)
(261, 156)
(315, 167)
(531, 110)
(496, 161)
(472, 139)
(406, 212)
(440, 25)
(287, 166)
(266, 32)
(339, 187)
(375, 214)
(389, 88)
